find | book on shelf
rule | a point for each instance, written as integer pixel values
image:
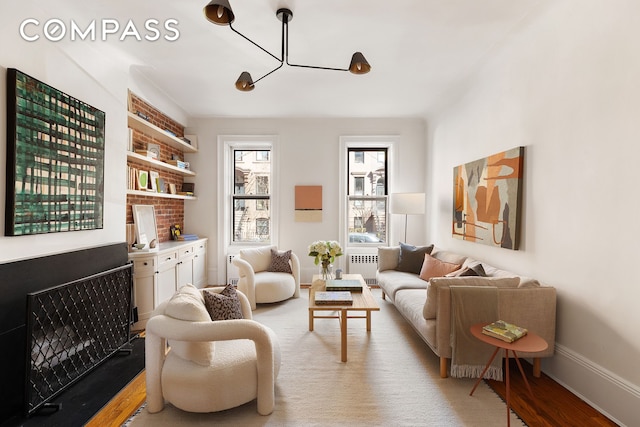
(147, 153)
(504, 331)
(187, 237)
(344, 285)
(333, 298)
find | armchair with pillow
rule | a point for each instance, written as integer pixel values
(219, 357)
(268, 275)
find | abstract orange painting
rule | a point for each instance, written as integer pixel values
(486, 199)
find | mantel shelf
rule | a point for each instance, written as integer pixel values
(159, 164)
(160, 195)
(150, 129)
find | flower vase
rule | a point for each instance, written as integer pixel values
(326, 270)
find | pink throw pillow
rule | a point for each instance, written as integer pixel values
(433, 267)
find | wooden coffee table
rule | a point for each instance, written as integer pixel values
(362, 302)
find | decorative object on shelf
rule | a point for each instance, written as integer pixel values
(131, 236)
(219, 12)
(145, 220)
(55, 159)
(487, 199)
(153, 179)
(175, 231)
(407, 204)
(142, 115)
(325, 253)
(154, 149)
(172, 189)
(143, 180)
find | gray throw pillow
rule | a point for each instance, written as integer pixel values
(280, 262)
(412, 257)
(224, 305)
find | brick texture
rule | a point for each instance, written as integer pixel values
(168, 211)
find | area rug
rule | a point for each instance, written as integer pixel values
(391, 378)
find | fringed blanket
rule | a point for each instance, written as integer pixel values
(471, 305)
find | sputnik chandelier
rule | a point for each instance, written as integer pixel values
(219, 12)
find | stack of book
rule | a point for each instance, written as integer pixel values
(504, 331)
(333, 298)
(344, 285)
(187, 237)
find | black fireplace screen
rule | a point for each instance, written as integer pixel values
(72, 328)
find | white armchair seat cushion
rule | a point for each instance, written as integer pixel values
(230, 382)
(273, 287)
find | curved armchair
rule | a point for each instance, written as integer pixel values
(212, 365)
(260, 278)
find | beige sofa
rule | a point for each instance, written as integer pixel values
(426, 305)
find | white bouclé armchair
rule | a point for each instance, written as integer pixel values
(262, 278)
(211, 365)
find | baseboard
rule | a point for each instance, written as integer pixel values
(613, 396)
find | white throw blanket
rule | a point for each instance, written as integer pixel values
(471, 305)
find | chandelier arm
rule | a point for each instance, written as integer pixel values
(272, 71)
(285, 50)
(255, 44)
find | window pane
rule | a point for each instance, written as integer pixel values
(367, 220)
(251, 220)
(367, 172)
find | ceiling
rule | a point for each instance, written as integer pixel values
(422, 52)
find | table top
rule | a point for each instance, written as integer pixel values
(530, 343)
(362, 301)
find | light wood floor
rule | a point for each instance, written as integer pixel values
(554, 405)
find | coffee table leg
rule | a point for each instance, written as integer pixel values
(343, 334)
(368, 321)
(310, 320)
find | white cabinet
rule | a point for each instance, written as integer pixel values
(158, 274)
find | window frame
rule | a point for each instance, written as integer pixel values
(227, 145)
(372, 143)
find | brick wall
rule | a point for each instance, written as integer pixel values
(168, 211)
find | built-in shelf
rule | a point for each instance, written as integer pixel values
(150, 129)
(161, 195)
(160, 165)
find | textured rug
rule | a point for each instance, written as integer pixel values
(391, 378)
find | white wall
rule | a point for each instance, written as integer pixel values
(78, 70)
(565, 87)
(308, 153)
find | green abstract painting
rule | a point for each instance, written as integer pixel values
(55, 160)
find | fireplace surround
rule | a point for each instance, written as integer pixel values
(22, 277)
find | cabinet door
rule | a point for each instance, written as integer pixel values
(167, 278)
(144, 275)
(200, 265)
(185, 265)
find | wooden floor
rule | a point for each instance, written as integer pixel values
(554, 405)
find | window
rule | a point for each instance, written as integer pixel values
(367, 194)
(251, 196)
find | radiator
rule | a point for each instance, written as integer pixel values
(364, 264)
(233, 274)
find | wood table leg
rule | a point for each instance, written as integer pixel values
(506, 355)
(311, 320)
(493, 356)
(343, 334)
(368, 321)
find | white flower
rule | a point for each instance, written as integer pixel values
(325, 250)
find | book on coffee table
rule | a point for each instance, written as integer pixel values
(333, 298)
(344, 285)
(504, 331)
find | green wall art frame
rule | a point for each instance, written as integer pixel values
(55, 160)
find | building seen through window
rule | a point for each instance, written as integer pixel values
(251, 196)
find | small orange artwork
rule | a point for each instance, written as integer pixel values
(486, 199)
(308, 203)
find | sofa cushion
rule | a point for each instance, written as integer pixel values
(188, 304)
(259, 258)
(388, 257)
(431, 306)
(280, 261)
(223, 305)
(391, 281)
(412, 257)
(433, 267)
